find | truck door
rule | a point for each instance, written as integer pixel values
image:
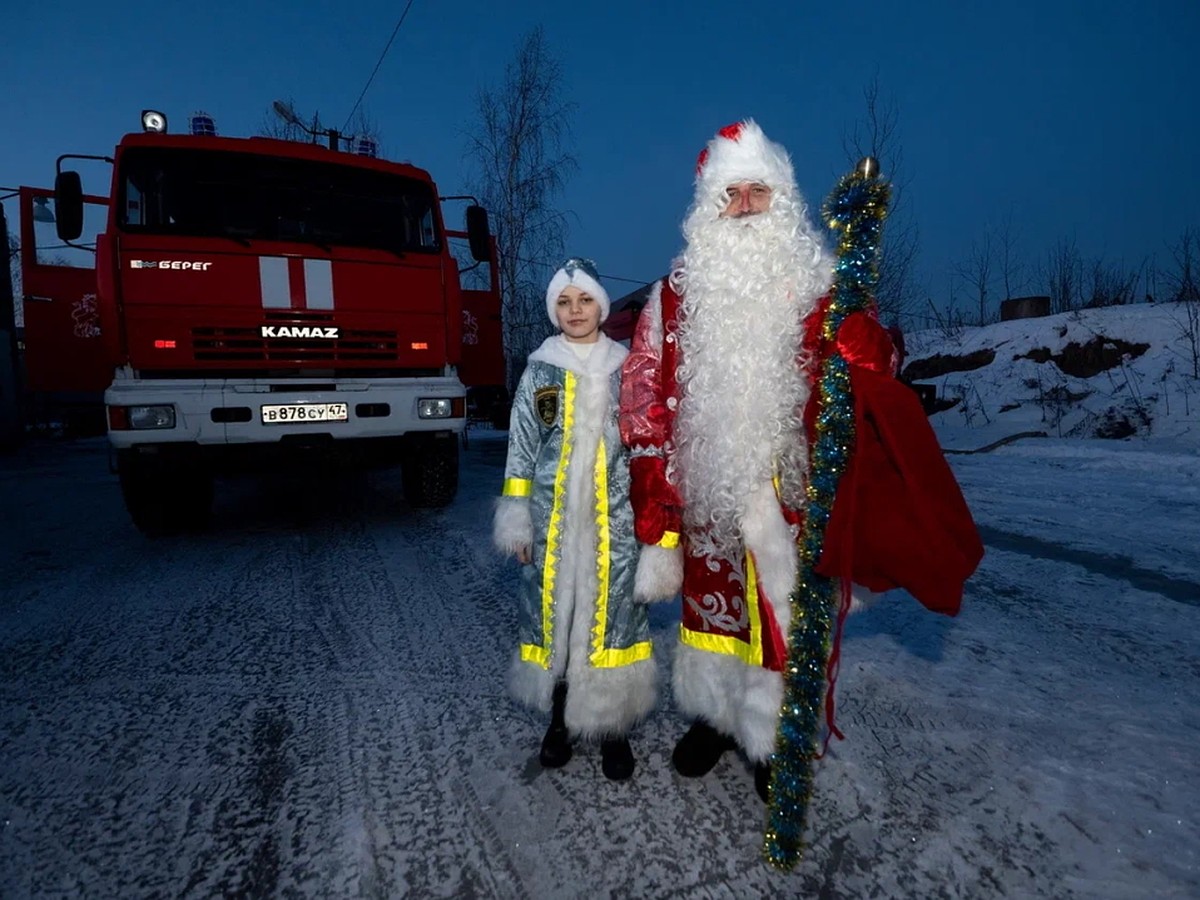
(66, 364)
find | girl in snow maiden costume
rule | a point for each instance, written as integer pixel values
(584, 651)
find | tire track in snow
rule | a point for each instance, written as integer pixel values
(1103, 564)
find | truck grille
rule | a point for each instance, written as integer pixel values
(247, 344)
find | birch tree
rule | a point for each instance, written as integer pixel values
(518, 144)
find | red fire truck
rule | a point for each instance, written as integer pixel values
(256, 301)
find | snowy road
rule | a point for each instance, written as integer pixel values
(307, 701)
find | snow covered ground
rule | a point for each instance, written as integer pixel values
(1150, 381)
(307, 701)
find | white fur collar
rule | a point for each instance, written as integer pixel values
(605, 359)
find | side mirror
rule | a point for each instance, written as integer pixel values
(68, 205)
(478, 234)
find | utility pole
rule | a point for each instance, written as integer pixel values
(285, 112)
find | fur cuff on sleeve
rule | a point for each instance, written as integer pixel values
(659, 574)
(512, 528)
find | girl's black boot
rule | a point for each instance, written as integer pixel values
(616, 759)
(556, 745)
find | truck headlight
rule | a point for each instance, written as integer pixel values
(441, 408)
(148, 417)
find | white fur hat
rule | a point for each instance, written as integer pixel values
(581, 273)
(741, 152)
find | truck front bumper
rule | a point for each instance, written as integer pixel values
(230, 411)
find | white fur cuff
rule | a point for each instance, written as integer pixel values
(512, 528)
(659, 574)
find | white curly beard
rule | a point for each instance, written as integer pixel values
(747, 284)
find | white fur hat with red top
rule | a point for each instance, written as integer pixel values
(741, 153)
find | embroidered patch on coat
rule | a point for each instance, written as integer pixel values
(545, 401)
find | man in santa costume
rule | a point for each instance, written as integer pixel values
(718, 409)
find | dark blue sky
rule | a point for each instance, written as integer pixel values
(1078, 120)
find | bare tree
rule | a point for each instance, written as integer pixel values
(1182, 287)
(976, 271)
(1062, 273)
(14, 272)
(877, 136)
(1112, 284)
(1187, 322)
(1011, 270)
(518, 146)
(1183, 282)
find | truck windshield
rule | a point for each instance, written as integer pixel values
(207, 193)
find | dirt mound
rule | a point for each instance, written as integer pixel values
(943, 364)
(1086, 360)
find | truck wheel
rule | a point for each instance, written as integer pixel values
(430, 472)
(164, 499)
(500, 416)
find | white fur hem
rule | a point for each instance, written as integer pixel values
(659, 574)
(512, 527)
(601, 703)
(608, 702)
(736, 699)
(530, 684)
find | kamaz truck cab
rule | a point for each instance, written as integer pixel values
(263, 301)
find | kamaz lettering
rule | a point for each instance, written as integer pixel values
(169, 264)
(300, 331)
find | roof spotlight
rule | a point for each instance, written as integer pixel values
(153, 121)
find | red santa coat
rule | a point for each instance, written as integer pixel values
(899, 520)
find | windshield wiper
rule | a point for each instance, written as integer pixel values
(236, 238)
(311, 239)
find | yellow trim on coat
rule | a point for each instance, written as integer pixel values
(541, 655)
(532, 653)
(615, 657)
(669, 540)
(603, 552)
(517, 487)
(750, 652)
(603, 657)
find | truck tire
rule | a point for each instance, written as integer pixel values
(430, 472)
(501, 414)
(164, 498)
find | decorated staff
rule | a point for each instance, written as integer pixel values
(884, 510)
(855, 212)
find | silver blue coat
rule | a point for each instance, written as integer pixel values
(566, 495)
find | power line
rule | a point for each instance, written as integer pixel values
(377, 65)
(552, 266)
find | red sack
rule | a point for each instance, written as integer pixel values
(899, 518)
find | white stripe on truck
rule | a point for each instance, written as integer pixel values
(273, 279)
(318, 283)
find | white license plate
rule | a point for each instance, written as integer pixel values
(290, 413)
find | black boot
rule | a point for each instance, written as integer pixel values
(699, 750)
(762, 780)
(616, 759)
(556, 745)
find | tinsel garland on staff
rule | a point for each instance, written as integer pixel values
(855, 212)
